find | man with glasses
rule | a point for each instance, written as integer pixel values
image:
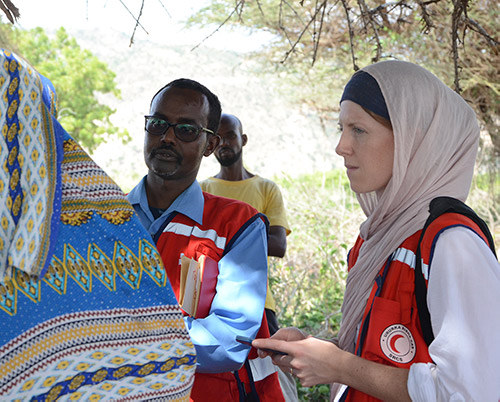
(179, 130)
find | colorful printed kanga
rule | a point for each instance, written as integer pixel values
(86, 309)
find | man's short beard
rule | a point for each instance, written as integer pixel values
(228, 161)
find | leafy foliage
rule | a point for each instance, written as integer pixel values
(80, 80)
(308, 282)
(317, 45)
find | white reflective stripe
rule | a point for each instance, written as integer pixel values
(425, 270)
(340, 392)
(408, 257)
(261, 368)
(186, 230)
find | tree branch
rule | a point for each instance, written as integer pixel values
(425, 16)
(455, 18)
(476, 27)
(165, 8)
(221, 25)
(136, 24)
(10, 10)
(351, 34)
(316, 44)
(371, 21)
(313, 18)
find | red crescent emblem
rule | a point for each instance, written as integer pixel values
(393, 341)
(406, 348)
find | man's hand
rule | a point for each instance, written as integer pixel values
(276, 243)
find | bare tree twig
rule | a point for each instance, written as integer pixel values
(165, 8)
(292, 49)
(239, 10)
(425, 16)
(364, 12)
(391, 5)
(475, 26)
(351, 34)
(260, 8)
(220, 26)
(316, 46)
(10, 10)
(297, 15)
(280, 23)
(137, 23)
(455, 17)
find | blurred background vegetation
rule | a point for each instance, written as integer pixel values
(78, 77)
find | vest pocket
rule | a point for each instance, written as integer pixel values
(383, 314)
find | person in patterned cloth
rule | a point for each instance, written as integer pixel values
(86, 308)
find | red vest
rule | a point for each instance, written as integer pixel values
(390, 331)
(223, 221)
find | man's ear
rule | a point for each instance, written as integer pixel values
(213, 142)
(244, 140)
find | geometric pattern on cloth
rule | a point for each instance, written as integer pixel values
(83, 308)
(147, 350)
(28, 173)
(127, 265)
(151, 263)
(86, 190)
(81, 271)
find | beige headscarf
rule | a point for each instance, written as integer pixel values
(435, 139)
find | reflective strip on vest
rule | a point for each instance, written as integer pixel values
(186, 230)
(340, 392)
(408, 257)
(262, 368)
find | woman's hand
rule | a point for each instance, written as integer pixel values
(312, 360)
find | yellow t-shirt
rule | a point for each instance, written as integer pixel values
(262, 194)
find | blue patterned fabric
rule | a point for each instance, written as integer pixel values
(86, 308)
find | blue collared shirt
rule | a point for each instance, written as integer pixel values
(238, 306)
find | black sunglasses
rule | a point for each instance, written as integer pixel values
(184, 132)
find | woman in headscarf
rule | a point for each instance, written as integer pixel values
(406, 139)
(86, 310)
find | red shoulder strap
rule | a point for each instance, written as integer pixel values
(445, 212)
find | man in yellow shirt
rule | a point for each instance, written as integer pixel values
(236, 182)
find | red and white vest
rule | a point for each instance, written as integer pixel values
(223, 221)
(390, 331)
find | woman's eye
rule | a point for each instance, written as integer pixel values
(357, 130)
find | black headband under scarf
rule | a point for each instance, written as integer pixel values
(364, 90)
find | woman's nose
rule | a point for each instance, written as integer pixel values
(343, 147)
